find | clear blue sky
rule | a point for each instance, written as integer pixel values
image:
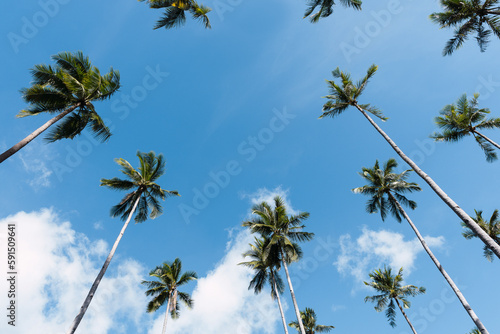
(244, 98)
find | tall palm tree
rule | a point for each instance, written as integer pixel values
(387, 190)
(463, 119)
(469, 16)
(345, 95)
(309, 320)
(326, 8)
(283, 231)
(266, 270)
(143, 198)
(492, 227)
(391, 291)
(68, 88)
(165, 289)
(175, 12)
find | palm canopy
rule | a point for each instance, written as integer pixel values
(475, 331)
(391, 290)
(326, 8)
(464, 118)
(142, 180)
(71, 82)
(309, 320)
(469, 16)
(165, 288)
(175, 12)
(346, 94)
(491, 227)
(385, 187)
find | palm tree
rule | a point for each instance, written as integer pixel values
(468, 16)
(391, 292)
(308, 317)
(165, 289)
(144, 198)
(326, 8)
(283, 231)
(387, 190)
(464, 118)
(492, 227)
(266, 270)
(67, 88)
(341, 97)
(175, 12)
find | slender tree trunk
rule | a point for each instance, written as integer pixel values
(408, 320)
(454, 206)
(166, 314)
(487, 139)
(297, 312)
(93, 289)
(34, 134)
(452, 284)
(276, 292)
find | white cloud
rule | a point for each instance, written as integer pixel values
(373, 249)
(33, 158)
(266, 195)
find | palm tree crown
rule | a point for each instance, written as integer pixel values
(142, 180)
(326, 8)
(469, 16)
(309, 320)
(491, 227)
(385, 187)
(175, 12)
(391, 291)
(465, 118)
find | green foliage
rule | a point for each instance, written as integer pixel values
(71, 82)
(385, 187)
(309, 319)
(465, 118)
(469, 16)
(325, 8)
(491, 227)
(175, 12)
(391, 291)
(142, 180)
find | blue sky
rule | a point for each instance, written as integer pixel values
(202, 98)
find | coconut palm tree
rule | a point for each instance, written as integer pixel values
(463, 119)
(283, 231)
(266, 270)
(143, 198)
(326, 8)
(386, 190)
(492, 227)
(469, 16)
(345, 95)
(175, 12)
(165, 289)
(391, 291)
(309, 320)
(68, 88)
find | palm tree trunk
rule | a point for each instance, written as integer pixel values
(487, 139)
(166, 314)
(93, 289)
(297, 312)
(452, 284)
(5, 155)
(454, 206)
(408, 320)
(276, 292)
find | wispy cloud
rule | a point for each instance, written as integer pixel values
(266, 195)
(33, 159)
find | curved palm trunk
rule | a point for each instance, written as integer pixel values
(408, 320)
(454, 206)
(166, 314)
(487, 139)
(5, 155)
(275, 287)
(297, 312)
(93, 289)
(455, 289)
